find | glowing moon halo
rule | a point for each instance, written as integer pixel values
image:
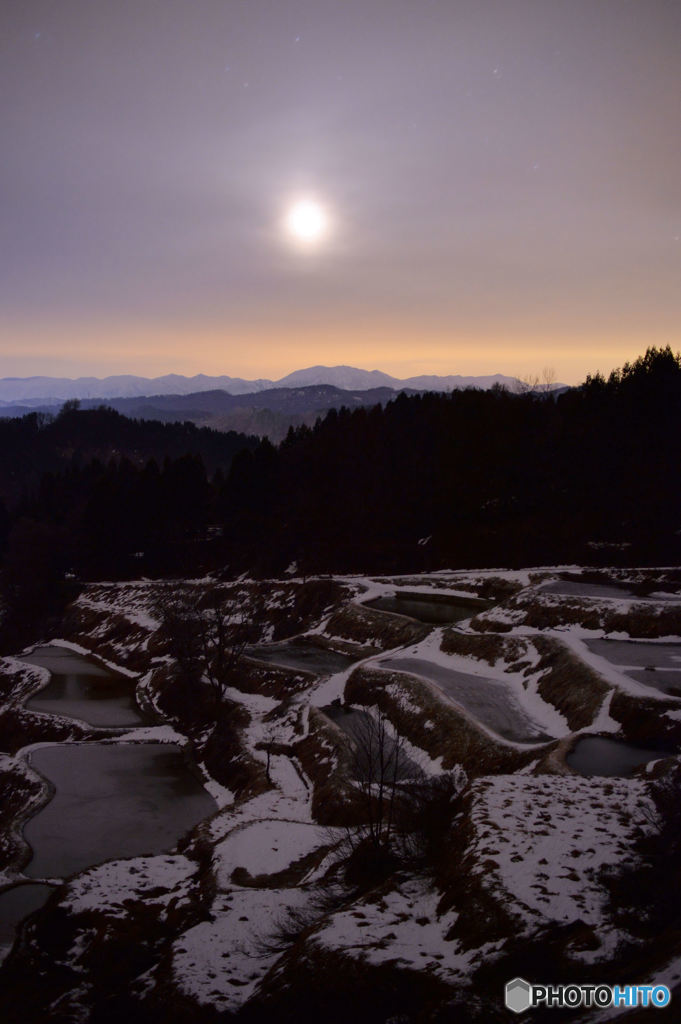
(306, 222)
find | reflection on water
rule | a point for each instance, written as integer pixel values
(426, 608)
(362, 728)
(597, 755)
(664, 681)
(111, 800)
(303, 657)
(351, 720)
(83, 689)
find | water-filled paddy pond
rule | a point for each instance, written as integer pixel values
(432, 609)
(361, 727)
(657, 665)
(581, 588)
(83, 688)
(303, 657)
(599, 755)
(489, 701)
(111, 800)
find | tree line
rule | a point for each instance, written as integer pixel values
(471, 478)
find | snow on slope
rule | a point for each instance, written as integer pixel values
(221, 961)
(156, 880)
(541, 842)
(522, 687)
(538, 845)
(401, 926)
(266, 847)
(353, 379)
(538, 848)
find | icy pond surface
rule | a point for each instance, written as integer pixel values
(83, 688)
(351, 720)
(489, 701)
(303, 657)
(653, 664)
(577, 588)
(427, 608)
(597, 755)
(111, 800)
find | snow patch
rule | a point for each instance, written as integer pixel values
(266, 847)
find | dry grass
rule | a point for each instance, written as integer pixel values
(325, 757)
(19, 728)
(488, 625)
(109, 635)
(378, 630)
(488, 647)
(497, 589)
(568, 684)
(292, 875)
(550, 612)
(645, 622)
(645, 721)
(270, 680)
(191, 707)
(15, 684)
(18, 794)
(280, 610)
(312, 983)
(481, 918)
(438, 727)
(227, 759)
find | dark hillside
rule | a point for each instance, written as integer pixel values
(473, 478)
(268, 413)
(93, 493)
(39, 443)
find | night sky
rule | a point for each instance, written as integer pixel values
(501, 180)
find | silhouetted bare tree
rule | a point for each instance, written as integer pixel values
(379, 764)
(208, 639)
(405, 814)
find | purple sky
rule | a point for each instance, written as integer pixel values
(502, 176)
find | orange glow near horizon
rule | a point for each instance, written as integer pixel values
(260, 352)
(239, 196)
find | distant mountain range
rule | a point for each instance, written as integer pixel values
(48, 391)
(228, 403)
(267, 413)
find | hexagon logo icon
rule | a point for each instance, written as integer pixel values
(518, 995)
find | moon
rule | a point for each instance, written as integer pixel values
(307, 222)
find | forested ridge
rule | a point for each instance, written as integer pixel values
(474, 479)
(471, 478)
(37, 443)
(92, 493)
